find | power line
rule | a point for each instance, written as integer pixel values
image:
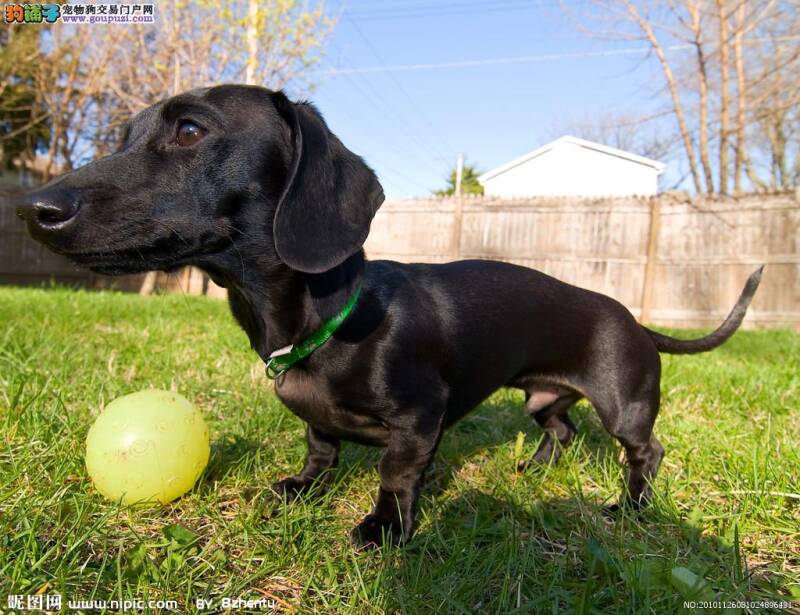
(446, 10)
(381, 103)
(496, 61)
(396, 144)
(392, 11)
(371, 159)
(526, 59)
(408, 132)
(386, 167)
(400, 87)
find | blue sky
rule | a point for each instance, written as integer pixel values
(410, 124)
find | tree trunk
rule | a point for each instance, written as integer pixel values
(782, 181)
(757, 182)
(677, 107)
(724, 102)
(741, 97)
(702, 84)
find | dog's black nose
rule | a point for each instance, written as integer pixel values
(49, 209)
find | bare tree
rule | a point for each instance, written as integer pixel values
(774, 102)
(23, 125)
(724, 91)
(746, 51)
(697, 29)
(741, 96)
(271, 43)
(64, 79)
(82, 74)
(647, 29)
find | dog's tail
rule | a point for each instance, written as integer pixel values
(664, 343)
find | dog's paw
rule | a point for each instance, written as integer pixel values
(624, 507)
(547, 454)
(374, 532)
(289, 488)
(270, 502)
(263, 501)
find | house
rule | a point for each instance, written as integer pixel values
(574, 167)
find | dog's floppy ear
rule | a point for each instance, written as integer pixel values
(330, 196)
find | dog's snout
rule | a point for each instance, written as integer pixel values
(50, 209)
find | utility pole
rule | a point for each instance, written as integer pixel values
(459, 173)
(458, 210)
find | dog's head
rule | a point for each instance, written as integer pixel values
(209, 172)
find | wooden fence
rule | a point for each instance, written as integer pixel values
(672, 262)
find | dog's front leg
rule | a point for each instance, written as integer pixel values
(401, 468)
(321, 458)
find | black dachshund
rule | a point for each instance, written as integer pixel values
(256, 191)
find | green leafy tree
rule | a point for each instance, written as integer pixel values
(469, 182)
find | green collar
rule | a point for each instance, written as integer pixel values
(284, 358)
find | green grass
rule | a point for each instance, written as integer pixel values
(490, 540)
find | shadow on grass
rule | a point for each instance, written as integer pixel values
(509, 552)
(495, 552)
(481, 553)
(493, 424)
(228, 455)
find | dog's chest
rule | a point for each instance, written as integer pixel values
(315, 402)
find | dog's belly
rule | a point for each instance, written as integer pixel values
(315, 404)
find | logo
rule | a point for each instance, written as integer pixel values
(78, 13)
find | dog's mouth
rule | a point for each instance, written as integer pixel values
(127, 260)
(161, 255)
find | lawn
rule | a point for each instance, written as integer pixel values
(490, 540)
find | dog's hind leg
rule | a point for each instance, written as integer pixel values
(549, 408)
(643, 461)
(631, 422)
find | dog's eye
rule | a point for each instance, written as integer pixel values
(189, 133)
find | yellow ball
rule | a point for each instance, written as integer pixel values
(147, 446)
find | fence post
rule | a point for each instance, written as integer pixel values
(148, 283)
(652, 260)
(185, 286)
(458, 214)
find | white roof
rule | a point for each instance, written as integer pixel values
(604, 149)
